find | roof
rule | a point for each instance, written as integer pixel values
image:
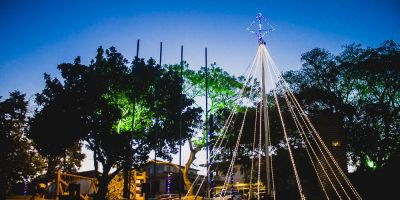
(167, 163)
(89, 173)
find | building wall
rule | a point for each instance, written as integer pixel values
(238, 174)
(162, 176)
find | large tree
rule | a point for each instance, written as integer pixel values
(120, 109)
(56, 127)
(19, 160)
(358, 88)
(361, 87)
(223, 90)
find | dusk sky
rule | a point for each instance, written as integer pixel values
(36, 36)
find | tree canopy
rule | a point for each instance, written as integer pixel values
(117, 109)
(361, 86)
(122, 110)
(18, 159)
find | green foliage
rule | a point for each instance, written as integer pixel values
(141, 118)
(371, 164)
(223, 90)
(116, 109)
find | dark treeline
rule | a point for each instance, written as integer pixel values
(117, 108)
(358, 93)
(360, 87)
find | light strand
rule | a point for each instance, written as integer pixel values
(322, 152)
(259, 154)
(315, 132)
(304, 138)
(252, 158)
(288, 144)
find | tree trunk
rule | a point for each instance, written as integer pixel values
(127, 168)
(104, 180)
(185, 171)
(126, 191)
(103, 187)
(95, 163)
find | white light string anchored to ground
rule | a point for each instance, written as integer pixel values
(232, 113)
(289, 148)
(259, 154)
(304, 138)
(230, 170)
(279, 79)
(316, 150)
(303, 115)
(252, 157)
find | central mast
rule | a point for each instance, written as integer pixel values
(266, 122)
(260, 33)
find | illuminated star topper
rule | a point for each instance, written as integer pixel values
(263, 27)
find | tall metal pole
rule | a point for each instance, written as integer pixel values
(155, 149)
(260, 32)
(133, 117)
(266, 122)
(206, 125)
(127, 187)
(133, 113)
(180, 127)
(137, 48)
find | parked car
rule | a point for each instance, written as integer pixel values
(228, 195)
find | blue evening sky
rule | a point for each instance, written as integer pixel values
(36, 36)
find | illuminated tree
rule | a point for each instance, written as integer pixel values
(222, 92)
(117, 110)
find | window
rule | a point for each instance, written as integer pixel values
(336, 143)
(160, 169)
